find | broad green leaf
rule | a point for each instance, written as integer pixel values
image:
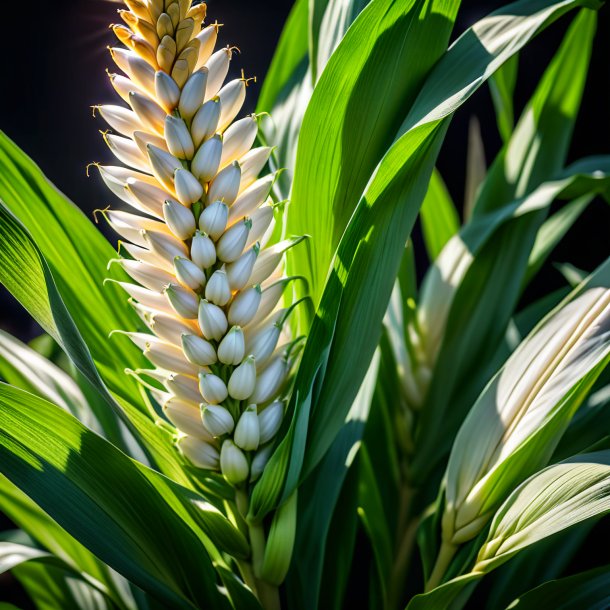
(450, 596)
(77, 255)
(91, 489)
(552, 500)
(368, 258)
(589, 590)
(358, 104)
(516, 423)
(439, 218)
(469, 296)
(502, 87)
(539, 144)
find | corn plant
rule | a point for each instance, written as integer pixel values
(253, 402)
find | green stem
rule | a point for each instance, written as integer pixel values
(445, 555)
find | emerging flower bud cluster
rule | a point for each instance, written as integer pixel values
(206, 286)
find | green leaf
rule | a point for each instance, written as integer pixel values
(589, 589)
(348, 326)
(77, 255)
(476, 166)
(539, 144)
(452, 595)
(551, 501)
(439, 218)
(358, 104)
(502, 88)
(91, 489)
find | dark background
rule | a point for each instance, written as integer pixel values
(53, 72)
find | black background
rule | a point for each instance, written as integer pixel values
(54, 55)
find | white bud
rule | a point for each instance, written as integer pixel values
(189, 273)
(232, 348)
(145, 197)
(188, 188)
(231, 245)
(239, 272)
(212, 321)
(198, 351)
(247, 431)
(270, 420)
(184, 301)
(184, 388)
(212, 388)
(206, 121)
(148, 298)
(186, 417)
(213, 219)
(193, 93)
(263, 343)
(233, 463)
(136, 68)
(151, 115)
(259, 462)
(166, 90)
(178, 138)
(168, 357)
(199, 453)
(164, 245)
(207, 160)
(242, 381)
(126, 151)
(179, 219)
(252, 164)
(262, 225)
(270, 381)
(203, 252)
(238, 139)
(218, 68)
(164, 165)
(165, 326)
(121, 119)
(207, 41)
(252, 198)
(218, 291)
(244, 306)
(217, 420)
(232, 97)
(225, 186)
(149, 276)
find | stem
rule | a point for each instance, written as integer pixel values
(445, 555)
(248, 575)
(257, 544)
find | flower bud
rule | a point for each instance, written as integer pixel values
(252, 198)
(239, 272)
(217, 420)
(136, 68)
(183, 388)
(263, 343)
(243, 380)
(179, 219)
(188, 189)
(238, 139)
(252, 164)
(233, 463)
(198, 351)
(212, 321)
(126, 151)
(218, 68)
(168, 357)
(207, 160)
(207, 41)
(203, 252)
(151, 115)
(247, 431)
(244, 306)
(184, 301)
(189, 273)
(148, 197)
(206, 121)
(232, 97)
(213, 219)
(262, 225)
(166, 90)
(193, 93)
(199, 453)
(232, 348)
(167, 327)
(261, 458)
(270, 381)
(270, 420)
(186, 417)
(178, 138)
(231, 245)
(164, 245)
(225, 186)
(149, 276)
(163, 165)
(212, 388)
(218, 291)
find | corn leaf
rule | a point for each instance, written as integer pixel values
(556, 498)
(77, 255)
(502, 87)
(369, 256)
(91, 489)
